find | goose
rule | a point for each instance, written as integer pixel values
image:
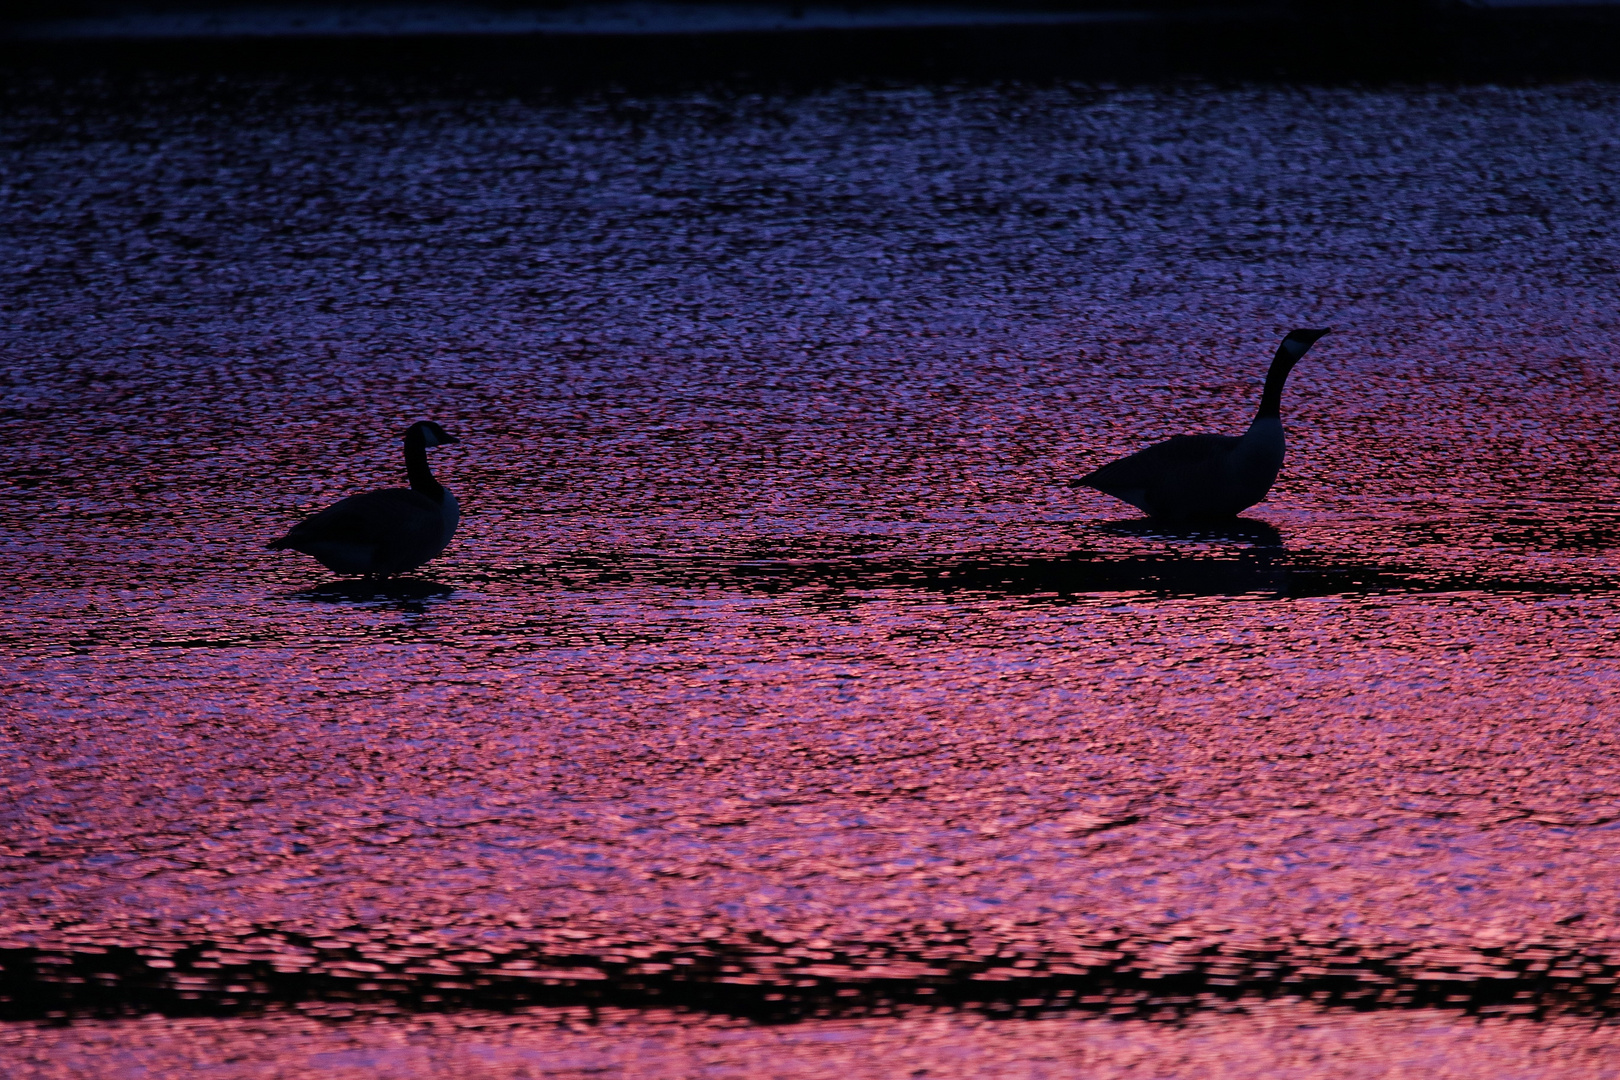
(1199, 477)
(385, 532)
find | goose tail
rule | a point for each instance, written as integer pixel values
(1089, 480)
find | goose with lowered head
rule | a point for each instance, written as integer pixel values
(386, 532)
(1204, 477)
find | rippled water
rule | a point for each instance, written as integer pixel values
(776, 673)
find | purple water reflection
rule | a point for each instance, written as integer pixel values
(775, 671)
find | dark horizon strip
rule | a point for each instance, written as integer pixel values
(1310, 43)
(745, 978)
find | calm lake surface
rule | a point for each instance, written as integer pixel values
(779, 709)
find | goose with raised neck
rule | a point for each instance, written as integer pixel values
(1210, 477)
(386, 532)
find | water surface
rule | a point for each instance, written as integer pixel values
(776, 672)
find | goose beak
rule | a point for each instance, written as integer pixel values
(448, 439)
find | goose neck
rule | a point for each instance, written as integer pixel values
(1276, 376)
(416, 467)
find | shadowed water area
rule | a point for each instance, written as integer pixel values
(776, 672)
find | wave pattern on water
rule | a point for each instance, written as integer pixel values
(776, 670)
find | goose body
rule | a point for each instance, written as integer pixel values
(1203, 477)
(386, 532)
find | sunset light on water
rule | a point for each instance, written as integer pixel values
(779, 707)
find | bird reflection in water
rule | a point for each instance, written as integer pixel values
(1236, 530)
(1236, 558)
(412, 591)
(1248, 559)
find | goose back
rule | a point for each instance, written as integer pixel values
(380, 532)
(1177, 477)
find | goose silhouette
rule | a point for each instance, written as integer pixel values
(1209, 477)
(386, 532)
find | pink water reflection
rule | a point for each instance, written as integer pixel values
(774, 671)
(1272, 1040)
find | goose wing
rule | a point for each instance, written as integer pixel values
(1146, 468)
(388, 517)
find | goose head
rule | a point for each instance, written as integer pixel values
(1296, 343)
(430, 433)
(1288, 353)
